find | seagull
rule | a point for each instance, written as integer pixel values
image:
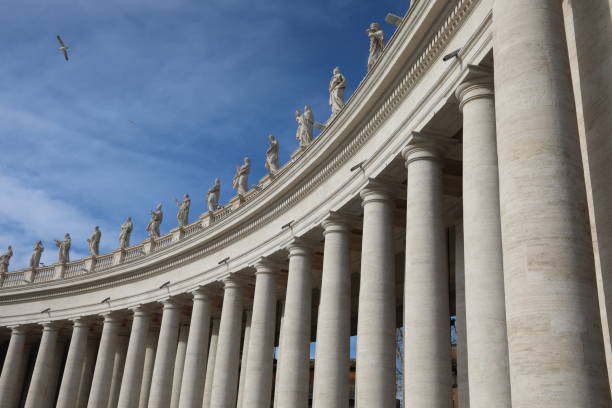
(63, 48)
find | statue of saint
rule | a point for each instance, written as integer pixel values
(64, 249)
(213, 195)
(305, 123)
(337, 85)
(5, 259)
(241, 178)
(36, 254)
(94, 242)
(272, 155)
(157, 216)
(377, 38)
(183, 212)
(126, 231)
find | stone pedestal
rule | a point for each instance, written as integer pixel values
(149, 246)
(207, 219)
(118, 256)
(58, 272)
(177, 234)
(265, 180)
(298, 152)
(236, 201)
(89, 264)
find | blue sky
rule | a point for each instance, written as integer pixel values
(158, 99)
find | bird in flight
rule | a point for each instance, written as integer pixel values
(63, 48)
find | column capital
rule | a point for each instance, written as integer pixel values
(478, 83)
(375, 191)
(231, 282)
(336, 222)
(425, 146)
(139, 310)
(299, 247)
(265, 265)
(49, 326)
(80, 321)
(201, 293)
(169, 303)
(18, 330)
(111, 317)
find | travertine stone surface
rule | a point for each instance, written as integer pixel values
(210, 366)
(225, 380)
(192, 387)
(161, 382)
(245, 356)
(39, 391)
(484, 273)
(73, 367)
(554, 328)
(179, 365)
(134, 364)
(427, 358)
(118, 368)
(101, 382)
(149, 363)
(10, 384)
(331, 383)
(258, 381)
(375, 384)
(294, 353)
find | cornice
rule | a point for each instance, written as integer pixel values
(334, 147)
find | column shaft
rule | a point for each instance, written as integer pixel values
(134, 363)
(10, 386)
(39, 384)
(245, 356)
(463, 387)
(331, 385)
(118, 369)
(192, 388)
(555, 342)
(484, 273)
(161, 382)
(210, 365)
(294, 355)
(101, 382)
(179, 365)
(260, 359)
(73, 367)
(88, 371)
(376, 336)
(225, 379)
(147, 372)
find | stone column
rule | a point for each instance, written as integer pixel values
(134, 362)
(376, 336)
(192, 388)
(100, 385)
(149, 363)
(427, 354)
(118, 368)
(245, 357)
(281, 310)
(294, 355)
(179, 365)
(73, 367)
(225, 379)
(258, 382)
(161, 382)
(210, 366)
(554, 329)
(331, 385)
(39, 384)
(88, 370)
(10, 386)
(484, 273)
(53, 381)
(463, 388)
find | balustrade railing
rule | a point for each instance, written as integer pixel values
(14, 279)
(163, 242)
(103, 262)
(134, 252)
(44, 274)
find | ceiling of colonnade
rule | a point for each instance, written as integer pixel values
(157, 99)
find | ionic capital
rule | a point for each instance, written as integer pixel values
(425, 146)
(299, 247)
(375, 191)
(266, 266)
(477, 84)
(336, 222)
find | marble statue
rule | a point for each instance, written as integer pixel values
(5, 259)
(305, 123)
(36, 254)
(64, 249)
(241, 178)
(157, 216)
(272, 155)
(377, 38)
(94, 242)
(183, 212)
(213, 195)
(126, 231)
(337, 85)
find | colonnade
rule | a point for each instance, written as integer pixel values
(532, 321)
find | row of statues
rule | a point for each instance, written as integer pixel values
(304, 135)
